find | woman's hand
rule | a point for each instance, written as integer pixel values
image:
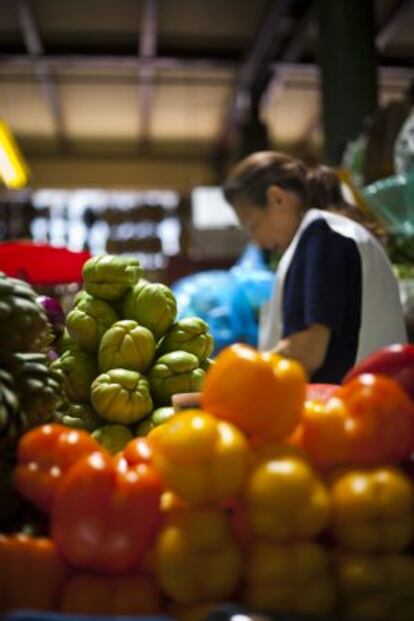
(308, 347)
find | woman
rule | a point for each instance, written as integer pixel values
(335, 299)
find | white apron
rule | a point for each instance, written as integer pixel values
(382, 321)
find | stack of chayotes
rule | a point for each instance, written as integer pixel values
(123, 355)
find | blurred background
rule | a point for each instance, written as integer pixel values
(128, 115)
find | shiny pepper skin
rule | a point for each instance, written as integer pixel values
(200, 458)
(197, 558)
(372, 510)
(294, 577)
(285, 499)
(375, 587)
(261, 393)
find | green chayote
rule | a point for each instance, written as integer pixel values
(109, 277)
(157, 417)
(113, 438)
(173, 373)
(77, 369)
(88, 322)
(121, 396)
(82, 416)
(191, 335)
(152, 305)
(126, 345)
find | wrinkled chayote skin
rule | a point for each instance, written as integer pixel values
(65, 342)
(88, 322)
(191, 335)
(126, 345)
(82, 416)
(152, 305)
(121, 396)
(173, 373)
(109, 277)
(157, 417)
(113, 438)
(77, 370)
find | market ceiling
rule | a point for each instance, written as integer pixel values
(105, 76)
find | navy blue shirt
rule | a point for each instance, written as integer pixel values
(323, 285)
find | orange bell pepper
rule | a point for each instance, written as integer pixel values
(295, 577)
(370, 420)
(197, 559)
(31, 573)
(44, 454)
(200, 458)
(372, 510)
(284, 498)
(129, 594)
(263, 394)
(375, 587)
(105, 516)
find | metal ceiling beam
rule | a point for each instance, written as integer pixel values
(35, 50)
(392, 23)
(91, 61)
(147, 49)
(256, 71)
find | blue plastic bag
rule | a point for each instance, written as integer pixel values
(228, 300)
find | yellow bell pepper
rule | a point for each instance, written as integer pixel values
(196, 558)
(372, 510)
(376, 587)
(293, 577)
(200, 458)
(285, 499)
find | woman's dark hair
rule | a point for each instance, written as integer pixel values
(250, 179)
(318, 187)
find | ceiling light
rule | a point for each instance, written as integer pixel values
(13, 168)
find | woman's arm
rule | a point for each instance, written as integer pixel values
(309, 347)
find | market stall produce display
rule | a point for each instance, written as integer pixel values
(273, 494)
(122, 354)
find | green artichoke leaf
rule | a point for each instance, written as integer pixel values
(126, 345)
(109, 277)
(88, 322)
(190, 334)
(152, 305)
(121, 396)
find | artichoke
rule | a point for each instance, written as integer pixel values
(191, 335)
(88, 322)
(113, 438)
(157, 417)
(126, 345)
(121, 396)
(77, 370)
(23, 322)
(152, 305)
(12, 423)
(82, 416)
(108, 277)
(39, 393)
(173, 373)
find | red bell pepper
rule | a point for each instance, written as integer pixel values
(44, 454)
(368, 421)
(105, 515)
(396, 361)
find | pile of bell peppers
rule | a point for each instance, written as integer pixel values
(275, 494)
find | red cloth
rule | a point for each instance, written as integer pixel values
(41, 264)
